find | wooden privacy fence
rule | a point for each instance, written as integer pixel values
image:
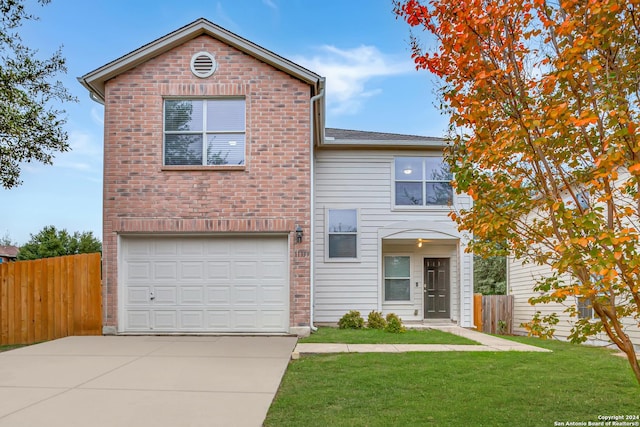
(50, 298)
(493, 313)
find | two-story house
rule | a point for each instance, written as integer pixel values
(228, 207)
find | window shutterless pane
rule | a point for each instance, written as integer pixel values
(182, 149)
(225, 149)
(396, 266)
(397, 290)
(225, 115)
(182, 115)
(343, 221)
(408, 168)
(409, 193)
(437, 169)
(343, 246)
(439, 193)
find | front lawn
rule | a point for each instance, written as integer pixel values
(375, 336)
(572, 384)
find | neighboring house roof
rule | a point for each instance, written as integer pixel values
(95, 80)
(357, 138)
(9, 251)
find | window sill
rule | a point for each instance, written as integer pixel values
(408, 303)
(341, 260)
(433, 208)
(211, 168)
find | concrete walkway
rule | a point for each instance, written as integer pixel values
(485, 343)
(142, 381)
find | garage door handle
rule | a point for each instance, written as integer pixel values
(151, 296)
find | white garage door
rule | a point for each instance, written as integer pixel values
(204, 284)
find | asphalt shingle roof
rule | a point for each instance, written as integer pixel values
(348, 134)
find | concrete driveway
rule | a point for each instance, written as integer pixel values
(142, 381)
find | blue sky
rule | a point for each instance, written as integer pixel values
(358, 45)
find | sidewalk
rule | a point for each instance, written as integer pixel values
(486, 343)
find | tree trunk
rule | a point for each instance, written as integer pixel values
(633, 359)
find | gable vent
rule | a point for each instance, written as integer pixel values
(203, 64)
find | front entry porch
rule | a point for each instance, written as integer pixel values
(420, 279)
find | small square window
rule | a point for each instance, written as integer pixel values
(585, 310)
(342, 233)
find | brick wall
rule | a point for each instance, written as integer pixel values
(271, 194)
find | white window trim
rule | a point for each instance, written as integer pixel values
(326, 236)
(410, 301)
(203, 132)
(413, 208)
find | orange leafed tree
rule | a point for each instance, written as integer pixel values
(544, 106)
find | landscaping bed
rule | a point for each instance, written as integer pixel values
(376, 336)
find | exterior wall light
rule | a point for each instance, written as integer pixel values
(298, 234)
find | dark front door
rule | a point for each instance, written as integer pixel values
(436, 288)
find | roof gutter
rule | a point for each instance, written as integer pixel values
(312, 132)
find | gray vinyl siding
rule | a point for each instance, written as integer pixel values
(521, 281)
(363, 180)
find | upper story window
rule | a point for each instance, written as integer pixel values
(422, 181)
(204, 132)
(342, 234)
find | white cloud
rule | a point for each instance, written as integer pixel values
(349, 72)
(84, 156)
(223, 19)
(271, 4)
(97, 116)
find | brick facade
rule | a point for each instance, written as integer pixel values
(270, 194)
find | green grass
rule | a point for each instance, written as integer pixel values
(374, 336)
(574, 383)
(10, 347)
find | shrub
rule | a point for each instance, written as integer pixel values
(394, 324)
(351, 320)
(376, 320)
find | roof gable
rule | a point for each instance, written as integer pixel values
(95, 80)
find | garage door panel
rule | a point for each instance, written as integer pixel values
(165, 295)
(192, 319)
(273, 319)
(220, 250)
(245, 295)
(218, 296)
(190, 270)
(191, 295)
(137, 247)
(272, 295)
(192, 247)
(165, 270)
(137, 271)
(138, 295)
(219, 270)
(245, 270)
(218, 320)
(273, 270)
(166, 247)
(246, 319)
(165, 320)
(139, 320)
(205, 284)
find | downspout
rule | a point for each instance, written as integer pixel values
(312, 204)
